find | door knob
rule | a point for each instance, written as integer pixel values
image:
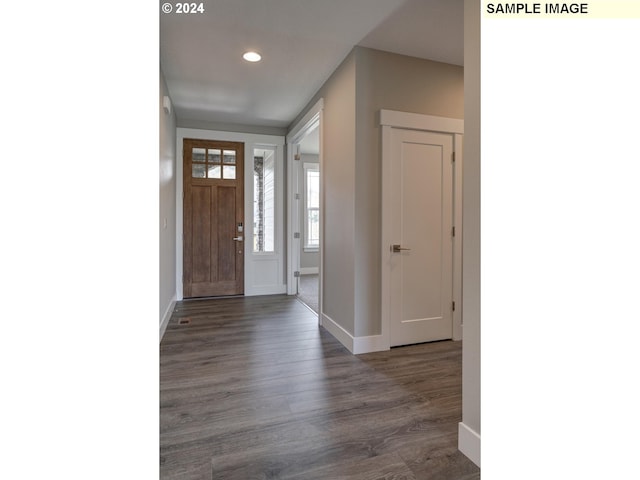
(397, 248)
(238, 239)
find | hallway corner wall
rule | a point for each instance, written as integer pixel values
(167, 218)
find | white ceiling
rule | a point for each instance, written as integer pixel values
(301, 42)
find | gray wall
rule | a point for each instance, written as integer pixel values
(338, 166)
(167, 192)
(367, 81)
(393, 82)
(338, 179)
(471, 221)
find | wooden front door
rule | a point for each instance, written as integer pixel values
(213, 218)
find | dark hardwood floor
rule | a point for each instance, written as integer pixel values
(252, 388)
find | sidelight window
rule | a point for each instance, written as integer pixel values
(264, 199)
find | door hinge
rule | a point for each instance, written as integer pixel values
(296, 156)
(453, 231)
(453, 157)
(297, 196)
(296, 274)
(296, 235)
(453, 306)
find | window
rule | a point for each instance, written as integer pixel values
(264, 199)
(205, 163)
(311, 207)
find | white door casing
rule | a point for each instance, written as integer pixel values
(310, 121)
(263, 273)
(421, 205)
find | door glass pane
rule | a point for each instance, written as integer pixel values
(198, 155)
(229, 171)
(214, 155)
(198, 171)
(264, 199)
(229, 156)
(214, 171)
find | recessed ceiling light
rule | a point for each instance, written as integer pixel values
(252, 56)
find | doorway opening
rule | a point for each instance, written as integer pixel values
(308, 199)
(305, 210)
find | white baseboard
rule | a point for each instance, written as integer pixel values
(373, 343)
(166, 317)
(344, 337)
(309, 270)
(356, 345)
(469, 443)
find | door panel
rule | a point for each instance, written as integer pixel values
(422, 266)
(213, 212)
(202, 241)
(226, 233)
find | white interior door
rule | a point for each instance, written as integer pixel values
(421, 250)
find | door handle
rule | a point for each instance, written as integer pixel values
(238, 239)
(397, 248)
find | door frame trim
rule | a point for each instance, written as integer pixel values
(311, 119)
(388, 120)
(250, 140)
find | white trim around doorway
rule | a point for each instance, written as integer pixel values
(389, 119)
(253, 262)
(311, 120)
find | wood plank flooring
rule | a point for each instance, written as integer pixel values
(252, 388)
